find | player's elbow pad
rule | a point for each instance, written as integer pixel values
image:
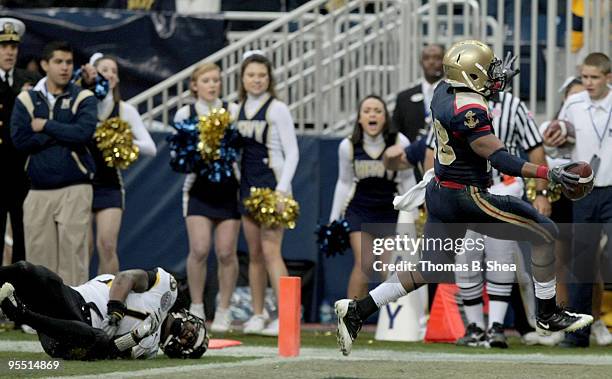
(506, 162)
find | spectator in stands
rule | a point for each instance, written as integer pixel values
(365, 189)
(269, 160)
(561, 209)
(52, 124)
(591, 113)
(412, 116)
(33, 67)
(15, 183)
(108, 191)
(209, 205)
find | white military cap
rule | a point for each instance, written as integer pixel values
(11, 29)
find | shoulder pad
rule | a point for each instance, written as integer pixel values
(467, 100)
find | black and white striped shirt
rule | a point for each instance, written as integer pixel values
(513, 124)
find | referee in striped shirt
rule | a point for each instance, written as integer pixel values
(515, 127)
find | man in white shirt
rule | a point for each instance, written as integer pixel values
(590, 112)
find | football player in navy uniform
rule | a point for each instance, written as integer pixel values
(128, 315)
(465, 151)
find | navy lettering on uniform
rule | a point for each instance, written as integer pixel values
(376, 185)
(255, 169)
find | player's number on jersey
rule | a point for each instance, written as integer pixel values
(445, 153)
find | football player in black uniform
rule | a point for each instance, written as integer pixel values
(465, 151)
(128, 315)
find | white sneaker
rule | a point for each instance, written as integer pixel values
(222, 321)
(6, 291)
(533, 338)
(600, 333)
(255, 325)
(272, 329)
(197, 310)
(27, 329)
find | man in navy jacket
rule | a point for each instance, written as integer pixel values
(52, 124)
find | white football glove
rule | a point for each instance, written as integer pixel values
(147, 327)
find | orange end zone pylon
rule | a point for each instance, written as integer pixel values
(289, 304)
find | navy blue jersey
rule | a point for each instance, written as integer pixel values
(459, 118)
(254, 165)
(107, 177)
(376, 186)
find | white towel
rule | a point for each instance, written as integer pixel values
(414, 196)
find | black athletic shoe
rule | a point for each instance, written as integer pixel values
(562, 320)
(349, 324)
(496, 337)
(474, 336)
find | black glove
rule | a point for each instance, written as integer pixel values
(560, 175)
(507, 69)
(115, 311)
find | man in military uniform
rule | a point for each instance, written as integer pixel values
(14, 180)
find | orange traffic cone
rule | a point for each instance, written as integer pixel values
(445, 323)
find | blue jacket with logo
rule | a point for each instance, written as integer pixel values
(58, 155)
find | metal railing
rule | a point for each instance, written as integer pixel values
(324, 63)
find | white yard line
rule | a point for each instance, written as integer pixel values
(268, 355)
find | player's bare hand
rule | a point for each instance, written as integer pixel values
(542, 205)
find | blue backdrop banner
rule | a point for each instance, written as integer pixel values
(150, 47)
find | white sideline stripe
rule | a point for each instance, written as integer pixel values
(269, 356)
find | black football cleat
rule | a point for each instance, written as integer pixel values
(349, 324)
(562, 321)
(474, 336)
(496, 337)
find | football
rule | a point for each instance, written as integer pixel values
(567, 130)
(585, 183)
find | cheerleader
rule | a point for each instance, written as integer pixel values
(108, 191)
(269, 160)
(365, 189)
(208, 205)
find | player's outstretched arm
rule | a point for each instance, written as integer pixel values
(492, 148)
